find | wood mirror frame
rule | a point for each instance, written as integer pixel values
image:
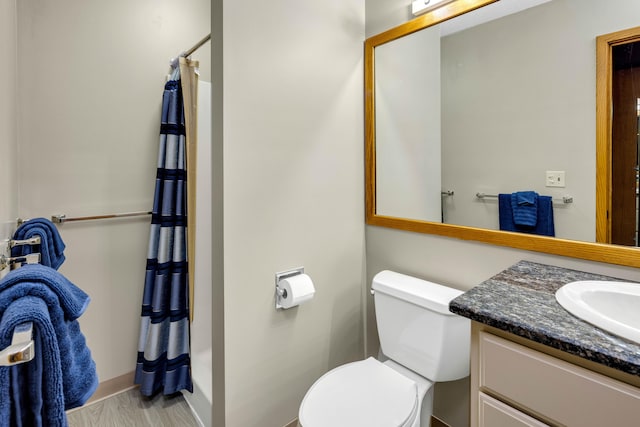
(601, 252)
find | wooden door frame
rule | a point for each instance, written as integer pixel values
(604, 117)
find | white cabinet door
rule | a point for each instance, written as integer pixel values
(494, 413)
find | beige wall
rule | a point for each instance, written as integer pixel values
(90, 84)
(293, 196)
(384, 14)
(408, 134)
(456, 263)
(8, 141)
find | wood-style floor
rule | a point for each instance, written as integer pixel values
(130, 408)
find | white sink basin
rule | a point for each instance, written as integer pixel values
(612, 306)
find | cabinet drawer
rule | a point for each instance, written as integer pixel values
(555, 389)
(495, 413)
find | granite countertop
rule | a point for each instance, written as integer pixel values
(521, 300)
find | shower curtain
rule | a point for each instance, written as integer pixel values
(163, 349)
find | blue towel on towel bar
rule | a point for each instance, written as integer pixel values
(31, 382)
(51, 247)
(65, 370)
(525, 208)
(544, 224)
(73, 300)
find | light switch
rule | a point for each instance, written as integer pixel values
(555, 179)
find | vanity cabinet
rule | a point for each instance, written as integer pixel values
(494, 413)
(513, 385)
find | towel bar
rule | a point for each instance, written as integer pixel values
(62, 218)
(32, 241)
(28, 259)
(565, 199)
(21, 349)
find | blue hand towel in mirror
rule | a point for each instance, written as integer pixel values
(525, 208)
(544, 225)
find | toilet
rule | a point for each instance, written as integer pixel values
(424, 343)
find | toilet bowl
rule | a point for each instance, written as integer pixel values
(424, 342)
(365, 393)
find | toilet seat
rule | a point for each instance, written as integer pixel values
(366, 393)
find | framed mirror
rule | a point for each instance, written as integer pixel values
(424, 77)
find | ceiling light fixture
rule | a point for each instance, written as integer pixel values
(420, 7)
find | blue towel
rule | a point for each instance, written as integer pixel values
(525, 208)
(73, 300)
(36, 393)
(65, 376)
(27, 408)
(544, 224)
(51, 247)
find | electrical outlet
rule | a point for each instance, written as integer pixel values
(555, 179)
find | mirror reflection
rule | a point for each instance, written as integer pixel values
(625, 131)
(505, 106)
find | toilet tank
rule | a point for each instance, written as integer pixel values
(416, 328)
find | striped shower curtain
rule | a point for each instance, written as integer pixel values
(163, 349)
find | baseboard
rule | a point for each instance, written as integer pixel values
(435, 422)
(194, 412)
(113, 386)
(293, 423)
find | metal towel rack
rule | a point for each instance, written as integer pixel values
(6, 261)
(62, 218)
(32, 241)
(565, 199)
(9, 261)
(22, 349)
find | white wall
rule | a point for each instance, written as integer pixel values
(8, 135)
(293, 196)
(456, 263)
(90, 84)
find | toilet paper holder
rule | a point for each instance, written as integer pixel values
(282, 293)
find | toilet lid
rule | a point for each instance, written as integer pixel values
(360, 394)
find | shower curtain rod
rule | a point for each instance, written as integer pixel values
(197, 46)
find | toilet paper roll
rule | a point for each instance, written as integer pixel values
(295, 290)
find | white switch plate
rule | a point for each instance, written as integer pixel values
(555, 179)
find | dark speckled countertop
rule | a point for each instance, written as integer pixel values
(521, 300)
